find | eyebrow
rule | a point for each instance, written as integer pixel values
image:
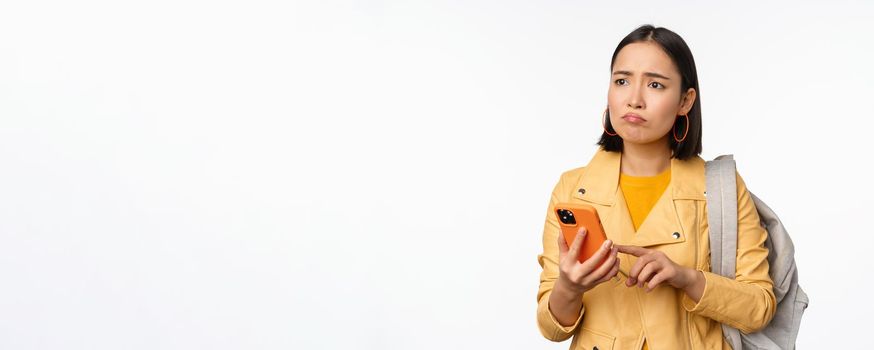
(648, 74)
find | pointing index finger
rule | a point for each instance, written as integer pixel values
(630, 249)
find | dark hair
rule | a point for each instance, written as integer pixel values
(679, 52)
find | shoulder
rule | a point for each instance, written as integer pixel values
(566, 182)
(600, 160)
(573, 173)
(571, 176)
(739, 180)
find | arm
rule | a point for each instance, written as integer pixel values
(746, 302)
(554, 303)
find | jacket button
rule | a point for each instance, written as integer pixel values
(595, 348)
(676, 235)
(582, 191)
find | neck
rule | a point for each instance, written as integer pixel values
(648, 159)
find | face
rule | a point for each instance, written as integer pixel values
(645, 82)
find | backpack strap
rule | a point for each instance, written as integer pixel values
(722, 214)
(722, 219)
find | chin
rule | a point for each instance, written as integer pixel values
(633, 137)
(640, 140)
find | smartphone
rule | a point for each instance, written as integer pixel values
(573, 216)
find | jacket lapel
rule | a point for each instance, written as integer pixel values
(670, 219)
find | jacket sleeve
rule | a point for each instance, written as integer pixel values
(746, 302)
(546, 322)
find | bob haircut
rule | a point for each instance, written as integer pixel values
(679, 52)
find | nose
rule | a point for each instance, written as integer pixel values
(635, 98)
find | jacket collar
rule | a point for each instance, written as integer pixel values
(600, 178)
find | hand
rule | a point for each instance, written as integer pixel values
(654, 267)
(581, 277)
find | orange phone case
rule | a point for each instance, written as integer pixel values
(584, 215)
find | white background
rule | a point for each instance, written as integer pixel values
(375, 174)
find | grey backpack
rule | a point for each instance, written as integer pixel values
(782, 331)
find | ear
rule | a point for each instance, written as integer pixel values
(688, 101)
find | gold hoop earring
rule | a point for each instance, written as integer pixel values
(674, 129)
(604, 123)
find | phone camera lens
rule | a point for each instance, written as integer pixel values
(566, 217)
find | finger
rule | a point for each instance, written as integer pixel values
(648, 271)
(562, 246)
(635, 270)
(592, 262)
(609, 269)
(656, 281)
(574, 252)
(605, 267)
(614, 270)
(633, 250)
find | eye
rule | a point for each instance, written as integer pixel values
(620, 81)
(660, 86)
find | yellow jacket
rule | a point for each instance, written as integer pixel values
(618, 317)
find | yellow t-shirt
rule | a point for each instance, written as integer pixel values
(641, 194)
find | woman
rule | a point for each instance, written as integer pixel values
(647, 183)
